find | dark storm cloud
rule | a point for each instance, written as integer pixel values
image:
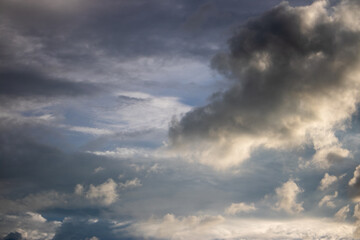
(287, 70)
(184, 28)
(23, 83)
(119, 29)
(80, 40)
(73, 29)
(13, 236)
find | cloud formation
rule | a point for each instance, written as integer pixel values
(172, 227)
(342, 214)
(354, 184)
(356, 178)
(104, 193)
(328, 200)
(13, 236)
(357, 217)
(327, 181)
(74, 228)
(27, 225)
(287, 198)
(293, 76)
(26, 84)
(235, 208)
(131, 183)
(79, 163)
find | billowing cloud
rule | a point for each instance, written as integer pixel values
(104, 193)
(355, 179)
(235, 208)
(354, 184)
(327, 181)
(293, 81)
(287, 198)
(342, 214)
(328, 200)
(28, 225)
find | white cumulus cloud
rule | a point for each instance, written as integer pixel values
(287, 198)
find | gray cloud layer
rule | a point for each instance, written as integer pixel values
(118, 184)
(32, 84)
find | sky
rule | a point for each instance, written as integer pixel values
(179, 119)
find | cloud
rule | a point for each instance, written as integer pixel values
(355, 184)
(27, 225)
(154, 168)
(79, 189)
(82, 229)
(125, 119)
(70, 57)
(342, 214)
(29, 83)
(131, 183)
(204, 227)
(147, 112)
(55, 6)
(293, 81)
(355, 179)
(104, 194)
(82, 197)
(34, 202)
(92, 238)
(98, 169)
(240, 208)
(328, 200)
(197, 19)
(287, 196)
(90, 130)
(138, 152)
(172, 227)
(357, 217)
(122, 152)
(327, 181)
(13, 236)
